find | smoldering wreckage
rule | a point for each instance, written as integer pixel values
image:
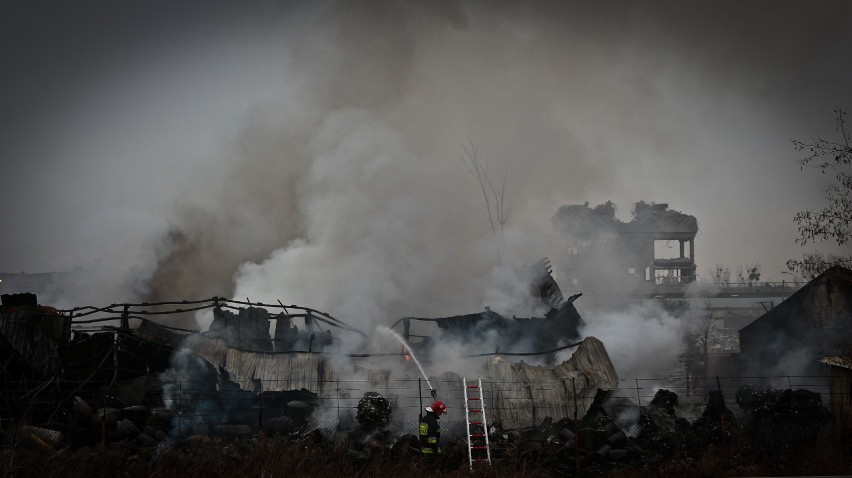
(84, 377)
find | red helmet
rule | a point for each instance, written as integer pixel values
(437, 407)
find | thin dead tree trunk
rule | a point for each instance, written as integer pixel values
(494, 196)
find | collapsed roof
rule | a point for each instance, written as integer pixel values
(489, 331)
(654, 219)
(87, 351)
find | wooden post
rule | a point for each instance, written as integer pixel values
(638, 397)
(565, 387)
(576, 432)
(125, 321)
(103, 417)
(260, 406)
(532, 401)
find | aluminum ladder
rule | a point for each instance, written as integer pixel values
(477, 428)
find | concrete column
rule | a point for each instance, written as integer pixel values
(692, 258)
(681, 248)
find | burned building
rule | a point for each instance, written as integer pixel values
(30, 336)
(240, 346)
(657, 247)
(489, 331)
(49, 357)
(46, 362)
(97, 366)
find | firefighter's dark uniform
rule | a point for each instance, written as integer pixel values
(430, 434)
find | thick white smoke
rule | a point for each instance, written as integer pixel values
(178, 151)
(309, 152)
(370, 245)
(642, 341)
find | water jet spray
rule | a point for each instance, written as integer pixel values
(401, 340)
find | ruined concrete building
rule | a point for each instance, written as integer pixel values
(657, 247)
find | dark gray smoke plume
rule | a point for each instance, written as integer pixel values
(309, 151)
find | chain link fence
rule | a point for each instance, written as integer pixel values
(242, 409)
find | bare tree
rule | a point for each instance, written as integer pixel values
(708, 321)
(721, 275)
(494, 195)
(697, 355)
(833, 222)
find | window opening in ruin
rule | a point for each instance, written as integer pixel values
(667, 249)
(667, 276)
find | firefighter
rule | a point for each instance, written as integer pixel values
(430, 431)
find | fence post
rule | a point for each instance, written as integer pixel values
(688, 378)
(576, 432)
(532, 400)
(565, 386)
(493, 398)
(103, 416)
(260, 406)
(638, 396)
(724, 424)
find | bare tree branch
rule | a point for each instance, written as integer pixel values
(834, 221)
(494, 196)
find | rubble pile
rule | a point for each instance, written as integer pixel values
(615, 433)
(227, 413)
(782, 419)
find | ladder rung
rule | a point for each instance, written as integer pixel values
(481, 439)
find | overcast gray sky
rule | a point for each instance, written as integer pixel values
(310, 151)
